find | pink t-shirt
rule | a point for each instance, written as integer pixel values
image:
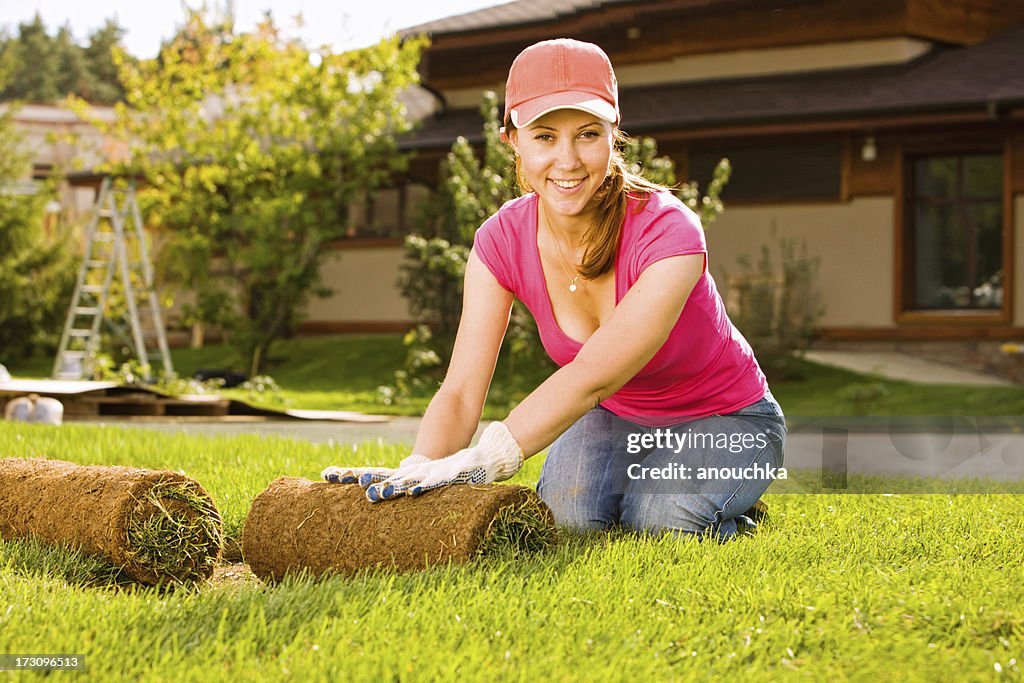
(705, 366)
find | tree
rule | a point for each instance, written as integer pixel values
(253, 148)
(35, 76)
(474, 186)
(46, 68)
(104, 85)
(36, 269)
(73, 74)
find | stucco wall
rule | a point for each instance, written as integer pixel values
(853, 241)
(364, 287)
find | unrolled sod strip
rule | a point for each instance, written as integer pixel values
(297, 524)
(158, 526)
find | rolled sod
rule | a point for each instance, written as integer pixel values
(297, 524)
(158, 526)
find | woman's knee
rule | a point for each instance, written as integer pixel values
(691, 514)
(579, 480)
(710, 490)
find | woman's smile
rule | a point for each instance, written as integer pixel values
(569, 186)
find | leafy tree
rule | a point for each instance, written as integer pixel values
(72, 67)
(45, 69)
(253, 148)
(474, 186)
(35, 76)
(36, 269)
(104, 85)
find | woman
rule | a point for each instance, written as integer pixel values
(656, 387)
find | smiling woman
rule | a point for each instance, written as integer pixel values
(614, 270)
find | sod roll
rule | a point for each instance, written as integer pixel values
(158, 526)
(297, 524)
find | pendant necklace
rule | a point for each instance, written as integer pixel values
(561, 258)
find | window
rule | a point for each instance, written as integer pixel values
(953, 255)
(774, 172)
(388, 213)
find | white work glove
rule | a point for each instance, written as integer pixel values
(364, 476)
(496, 457)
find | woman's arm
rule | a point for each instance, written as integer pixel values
(615, 352)
(452, 417)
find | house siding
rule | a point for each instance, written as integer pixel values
(365, 287)
(852, 240)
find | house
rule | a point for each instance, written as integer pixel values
(888, 135)
(55, 139)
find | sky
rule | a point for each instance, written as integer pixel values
(342, 24)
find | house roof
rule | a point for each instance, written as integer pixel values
(948, 79)
(984, 78)
(508, 14)
(472, 50)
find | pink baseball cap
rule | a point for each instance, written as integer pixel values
(560, 74)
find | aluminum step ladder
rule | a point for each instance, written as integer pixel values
(115, 246)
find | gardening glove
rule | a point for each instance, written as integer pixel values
(364, 476)
(496, 457)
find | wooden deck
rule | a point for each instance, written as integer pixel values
(89, 400)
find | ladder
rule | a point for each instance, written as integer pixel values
(115, 245)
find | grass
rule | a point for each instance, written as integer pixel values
(519, 529)
(343, 373)
(819, 392)
(176, 544)
(837, 587)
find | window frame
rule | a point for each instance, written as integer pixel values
(903, 250)
(359, 237)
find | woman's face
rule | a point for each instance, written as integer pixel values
(565, 157)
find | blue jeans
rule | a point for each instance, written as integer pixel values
(694, 477)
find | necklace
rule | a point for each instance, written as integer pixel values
(561, 258)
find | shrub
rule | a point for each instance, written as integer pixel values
(776, 304)
(37, 267)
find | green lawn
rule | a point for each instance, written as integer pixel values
(834, 587)
(343, 373)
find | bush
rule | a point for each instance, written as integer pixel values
(776, 304)
(37, 267)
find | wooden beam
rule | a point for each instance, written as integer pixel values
(963, 22)
(364, 243)
(1009, 230)
(1016, 181)
(314, 327)
(848, 123)
(878, 176)
(931, 333)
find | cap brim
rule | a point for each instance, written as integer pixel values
(528, 112)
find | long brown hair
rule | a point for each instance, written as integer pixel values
(609, 204)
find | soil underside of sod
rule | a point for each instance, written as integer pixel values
(158, 526)
(300, 525)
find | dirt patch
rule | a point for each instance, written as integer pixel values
(297, 524)
(232, 576)
(159, 526)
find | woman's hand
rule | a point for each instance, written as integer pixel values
(364, 476)
(496, 457)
